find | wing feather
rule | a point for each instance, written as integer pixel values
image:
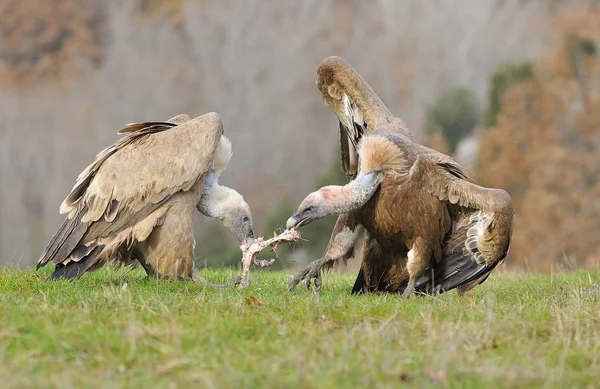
(132, 178)
(448, 184)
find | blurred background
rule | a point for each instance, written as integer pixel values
(510, 88)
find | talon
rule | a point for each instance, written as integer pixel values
(312, 271)
(313, 274)
(318, 282)
(307, 282)
(296, 279)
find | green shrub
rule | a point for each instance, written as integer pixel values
(502, 79)
(455, 114)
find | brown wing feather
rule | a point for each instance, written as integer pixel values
(495, 204)
(132, 179)
(444, 183)
(349, 154)
(134, 132)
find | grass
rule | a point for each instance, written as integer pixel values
(111, 329)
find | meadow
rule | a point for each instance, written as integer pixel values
(121, 329)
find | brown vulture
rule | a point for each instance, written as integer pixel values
(136, 201)
(427, 226)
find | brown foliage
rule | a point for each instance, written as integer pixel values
(43, 39)
(545, 151)
(169, 9)
(437, 141)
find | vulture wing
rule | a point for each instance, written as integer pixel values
(483, 224)
(358, 108)
(118, 198)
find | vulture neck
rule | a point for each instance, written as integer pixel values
(214, 198)
(352, 196)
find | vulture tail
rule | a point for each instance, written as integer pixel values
(462, 265)
(64, 241)
(76, 269)
(455, 270)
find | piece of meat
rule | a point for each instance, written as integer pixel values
(251, 251)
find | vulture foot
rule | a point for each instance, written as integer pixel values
(310, 272)
(410, 289)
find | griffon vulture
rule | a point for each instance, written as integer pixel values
(427, 226)
(136, 201)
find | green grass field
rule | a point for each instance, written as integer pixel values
(117, 329)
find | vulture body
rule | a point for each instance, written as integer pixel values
(136, 201)
(427, 226)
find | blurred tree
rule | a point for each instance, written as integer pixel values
(50, 40)
(454, 114)
(501, 81)
(544, 150)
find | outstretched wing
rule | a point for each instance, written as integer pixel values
(121, 193)
(358, 109)
(482, 224)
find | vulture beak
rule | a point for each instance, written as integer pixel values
(249, 239)
(292, 221)
(299, 219)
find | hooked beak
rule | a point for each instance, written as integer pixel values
(296, 221)
(249, 239)
(291, 223)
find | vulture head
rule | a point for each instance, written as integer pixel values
(378, 157)
(236, 216)
(223, 203)
(335, 199)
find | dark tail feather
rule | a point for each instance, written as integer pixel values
(457, 270)
(462, 266)
(66, 239)
(359, 284)
(76, 269)
(465, 287)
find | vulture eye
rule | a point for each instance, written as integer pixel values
(309, 208)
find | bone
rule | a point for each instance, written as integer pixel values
(249, 252)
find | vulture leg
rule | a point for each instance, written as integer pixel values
(371, 275)
(418, 260)
(169, 250)
(341, 246)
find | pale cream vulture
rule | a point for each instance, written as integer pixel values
(427, 226)
(136, 201)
